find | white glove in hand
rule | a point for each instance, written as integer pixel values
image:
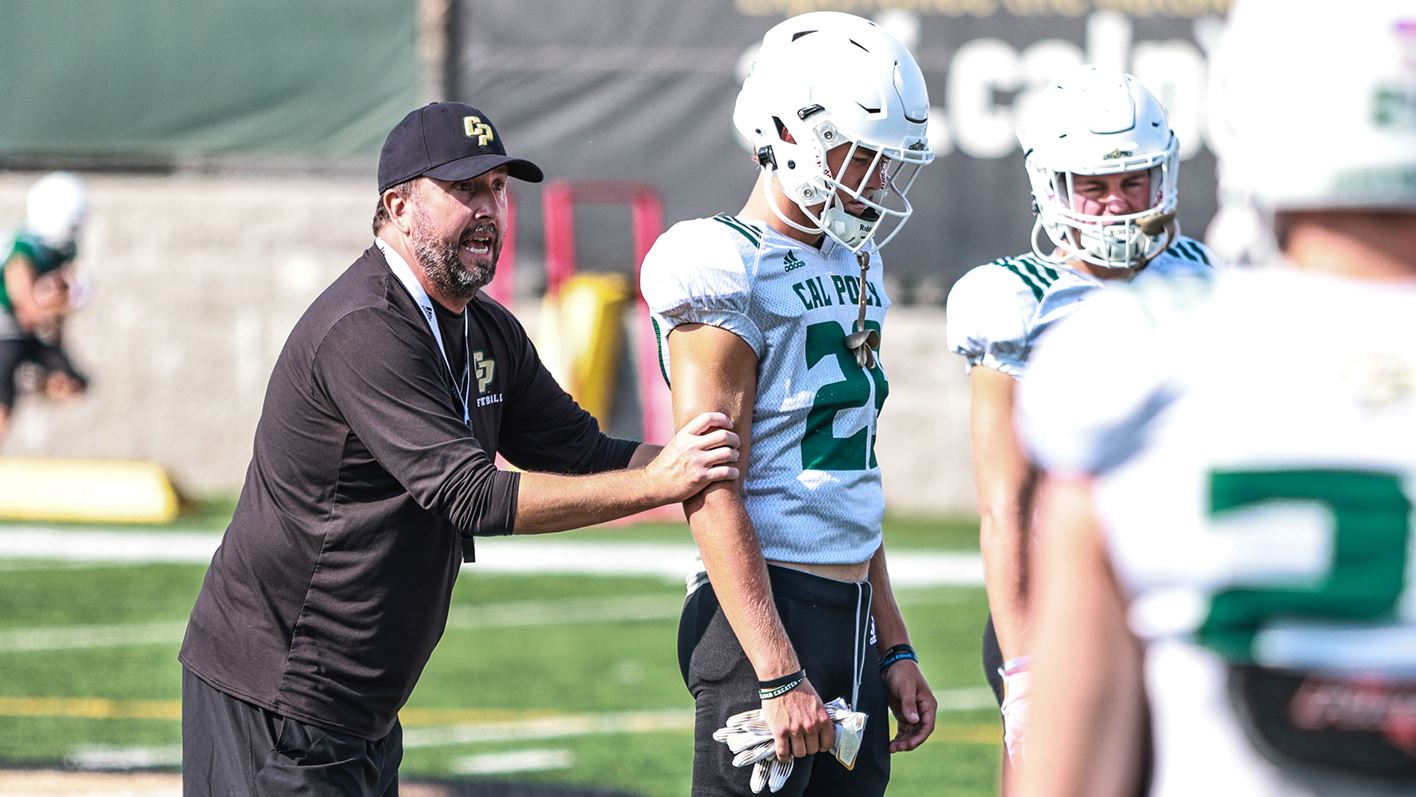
(1016, 685)
(750, 740)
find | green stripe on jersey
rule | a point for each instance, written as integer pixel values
(746, 231)
(1027, 280)
(659, 342)
(1044, 274)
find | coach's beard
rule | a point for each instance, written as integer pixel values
(441, 259)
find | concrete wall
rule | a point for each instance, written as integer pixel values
(197, 281)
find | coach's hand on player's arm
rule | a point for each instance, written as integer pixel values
(799, 723)
(913, 704)
(702, 452)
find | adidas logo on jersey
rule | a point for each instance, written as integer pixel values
(791, 261)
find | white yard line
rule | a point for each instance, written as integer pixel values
(514, 761)
(494, 555)
(535, 728)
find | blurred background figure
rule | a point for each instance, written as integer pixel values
(38, 290)
(1104, 167)
(1229, 517)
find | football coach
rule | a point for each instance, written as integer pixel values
(373, 472)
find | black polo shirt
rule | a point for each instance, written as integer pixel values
(332, 583)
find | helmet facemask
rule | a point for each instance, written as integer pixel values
(882, 185)
(1125, 241)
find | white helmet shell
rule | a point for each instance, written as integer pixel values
(1295, 130)
(825, 80)
(56, 208)
(1095, 121)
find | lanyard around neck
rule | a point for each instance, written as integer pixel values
(420, 297)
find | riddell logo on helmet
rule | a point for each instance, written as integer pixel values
(1117, 154)
(476, 128)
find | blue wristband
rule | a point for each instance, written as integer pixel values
(897, 654)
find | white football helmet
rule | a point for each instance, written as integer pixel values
(836, 80)
(1095, 121)
(1294, 130)
(56, 208)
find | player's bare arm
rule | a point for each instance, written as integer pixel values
(1088, 708)
(911, 699)
(704, 451)
(714, 370)
(1004, 480)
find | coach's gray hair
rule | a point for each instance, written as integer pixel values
(404, 191)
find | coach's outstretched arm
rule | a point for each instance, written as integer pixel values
(703, 452)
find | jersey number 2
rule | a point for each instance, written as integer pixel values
(1371, 531)
(821, 449)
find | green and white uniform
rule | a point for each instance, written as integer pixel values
(997, 311)
(812, 485)
(1254, 448)
(46, 260)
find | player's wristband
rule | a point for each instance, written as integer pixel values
(1015, 666)
(766, 690)
(896, 654)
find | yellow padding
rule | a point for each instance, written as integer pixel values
(581, 329)
(86, 491)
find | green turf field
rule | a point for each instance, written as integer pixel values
(573, 678)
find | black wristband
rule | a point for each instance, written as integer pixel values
(897, 653)
(783, 681)
(766, 690)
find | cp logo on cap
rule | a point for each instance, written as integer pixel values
(478, 129)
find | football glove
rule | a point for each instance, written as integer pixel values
(750, 740)
(1017, 681)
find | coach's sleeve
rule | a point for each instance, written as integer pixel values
(543, 428)
(379, 372)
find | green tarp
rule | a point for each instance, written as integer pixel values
(167, 80)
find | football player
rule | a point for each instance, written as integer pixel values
(1236, 502)
(773, 316)
(35, 291)
(1102, 161)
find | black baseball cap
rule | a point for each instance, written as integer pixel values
(449, 141)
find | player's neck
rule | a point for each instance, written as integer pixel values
(1366, 245)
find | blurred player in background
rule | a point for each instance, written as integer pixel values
(36, 293)
(773, 317)
(1236, 502)
(1103, 164)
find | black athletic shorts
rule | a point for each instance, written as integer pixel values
(231, 748)
(829, 625)
(992, 660)
(50, 358)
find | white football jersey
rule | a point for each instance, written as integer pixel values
(1255, 465)
(812, 485)
(997, 311)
